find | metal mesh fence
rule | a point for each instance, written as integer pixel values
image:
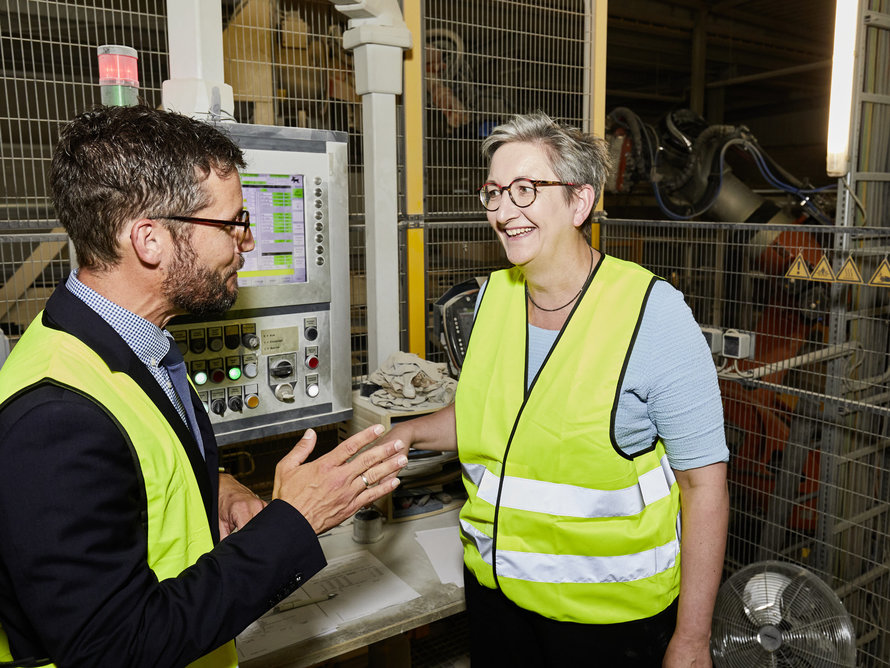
(485, 61)
(287, 66)
(798, 317)
(31, 265)
(49, 73)
(455, 252)
(872, 156)
(359, 309)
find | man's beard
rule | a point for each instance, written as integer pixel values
(196, 289)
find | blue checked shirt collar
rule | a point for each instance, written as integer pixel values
(147, 341)
(144, 338)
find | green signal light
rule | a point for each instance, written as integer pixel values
(200, 377)
(119, 96)
(234, 372)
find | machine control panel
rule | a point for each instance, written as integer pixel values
(279, 360)
(253, 372)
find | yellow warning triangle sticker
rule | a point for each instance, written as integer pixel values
(822, 271)
(881, 276)
(849, 273)
(798, 268)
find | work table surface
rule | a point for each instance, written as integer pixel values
(399, 551)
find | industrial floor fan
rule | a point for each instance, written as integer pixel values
(773, 614)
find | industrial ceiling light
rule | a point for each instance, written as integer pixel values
(843, 70)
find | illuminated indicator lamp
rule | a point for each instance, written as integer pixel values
(234, 372)
(118, 75)
(252, 401)
(200, 377)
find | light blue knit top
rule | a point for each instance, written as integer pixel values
(670, 385)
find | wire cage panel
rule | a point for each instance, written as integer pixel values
(287, 66)
(31, 265)
(485, 61)
(807, 411)
(49, 73)
(455, 252)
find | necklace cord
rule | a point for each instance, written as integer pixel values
(577, 294)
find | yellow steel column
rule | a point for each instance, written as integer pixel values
(597, 15)
(413, 100)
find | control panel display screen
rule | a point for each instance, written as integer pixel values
(278, 221)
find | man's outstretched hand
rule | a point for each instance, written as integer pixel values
(336, 485)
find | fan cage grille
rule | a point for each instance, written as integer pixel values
(776, 615)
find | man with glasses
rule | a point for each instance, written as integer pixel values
(118, 543)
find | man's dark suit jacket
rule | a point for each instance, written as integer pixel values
(74, 582)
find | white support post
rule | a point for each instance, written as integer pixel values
(377, 35)
(381, 226)
(196, 86)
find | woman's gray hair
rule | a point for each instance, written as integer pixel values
(574, 156)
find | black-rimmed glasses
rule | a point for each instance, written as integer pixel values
(241, 221)
(522, 192)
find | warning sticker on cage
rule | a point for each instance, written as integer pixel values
(822, 271)
(798, 268)
(849, 273)
(881, 277)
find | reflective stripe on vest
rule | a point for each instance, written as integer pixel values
(178, 531)
(557, 517)
(539, 496)
(572, 568)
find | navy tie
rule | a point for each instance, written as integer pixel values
(175, 365)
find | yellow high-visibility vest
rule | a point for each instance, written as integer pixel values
(178, 531)
(557, 516)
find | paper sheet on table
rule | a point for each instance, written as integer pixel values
(444, 549)
(363, 585)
